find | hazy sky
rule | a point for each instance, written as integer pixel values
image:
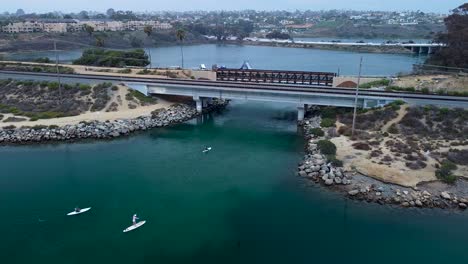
(439, 6)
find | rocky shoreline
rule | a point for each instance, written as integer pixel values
(315, 168)
(104, 130)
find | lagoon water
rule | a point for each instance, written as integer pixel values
(260, 57)
(240, 203)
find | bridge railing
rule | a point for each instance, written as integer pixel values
(272, 76)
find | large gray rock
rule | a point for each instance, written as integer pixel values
(353, 192)
(445, 195)
(329, 182)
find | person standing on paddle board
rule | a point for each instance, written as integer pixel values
(134, 219)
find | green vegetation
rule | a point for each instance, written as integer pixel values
(444, 173)
(132, 94)
(334, 161)
(277, 35)
(393, 129)
(125, 71)
(43, 60)
(113, 58)
(144, 72)
(318, 132)
(35, 68)
(326, 147)
(378, 83)
(396, 105)
(327, 122)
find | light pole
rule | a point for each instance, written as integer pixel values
(58, 71)
(356, 97)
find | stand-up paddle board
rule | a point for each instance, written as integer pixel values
(135, 226)
(79, 212)
(206, 150)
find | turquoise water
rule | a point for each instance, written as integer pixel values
(233, 56)
(240, 203)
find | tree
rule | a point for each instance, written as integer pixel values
(83, 15)
(180, 34)
(110, 12)
(99, 41)
(89, 29)
(455, 54)
(20, 12)
(148, 31)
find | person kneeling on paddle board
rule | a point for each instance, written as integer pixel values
(77, 209)
(134, 219)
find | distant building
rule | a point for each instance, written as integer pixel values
(23, 27)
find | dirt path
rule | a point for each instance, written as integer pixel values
(401, 113)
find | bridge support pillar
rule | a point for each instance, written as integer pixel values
(300, 112)
(199, 103)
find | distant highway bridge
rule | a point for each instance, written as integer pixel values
(420, 48)
(203, 90)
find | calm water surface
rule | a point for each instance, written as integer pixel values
(240, 203)
(233, 56)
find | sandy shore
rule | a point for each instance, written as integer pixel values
(88, 116)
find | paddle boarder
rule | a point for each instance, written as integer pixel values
(134, 219)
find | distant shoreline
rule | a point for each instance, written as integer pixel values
(35, 43)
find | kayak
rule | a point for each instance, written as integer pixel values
(79, 212)
(206, 150)
(135, 226)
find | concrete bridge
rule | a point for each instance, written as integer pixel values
(419, 48)
(301, 95)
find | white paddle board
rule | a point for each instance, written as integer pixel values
(206, 150)
(79, 212)
(135, 226)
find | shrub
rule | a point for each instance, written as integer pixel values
(115, 88)
(327, 122)
(329, 112)
(326, 147)
(39, 127)
(444, 173)
(344, 130)
(458, 156)
(318, 132)
(393, 129)
(113, 58)
(378, 83)
(144, 72)
(334, 161)
(84, 87)
(10, 127)
(43, 60)
(53, 127)
(425, 90)
(448, 165)
(361, 146)
(125, 71)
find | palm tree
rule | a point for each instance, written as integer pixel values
(180, 34)
(89, 29)
(148, 31)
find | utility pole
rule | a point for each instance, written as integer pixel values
(356, 97)
(58, 71)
